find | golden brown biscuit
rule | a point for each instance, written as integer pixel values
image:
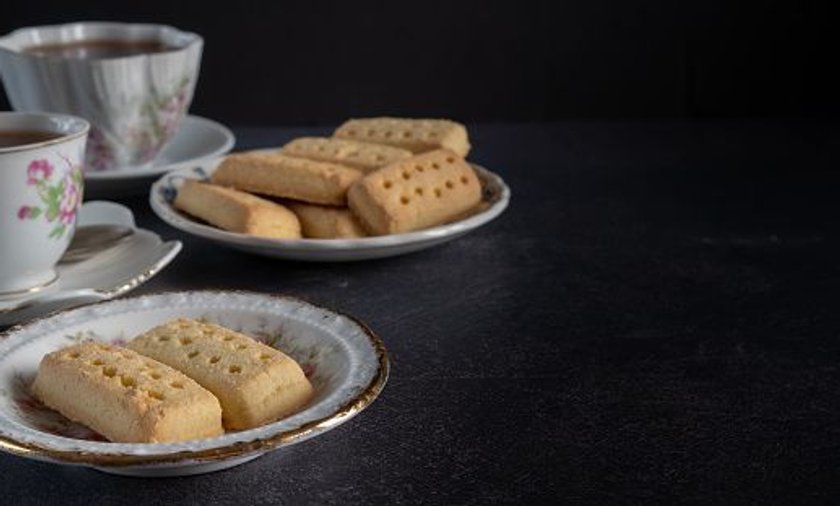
(126, 397)
(324, 222)
(419, 192)
(237, 211)
(416, 135)
(364, 156)
(256, 384)
(286, 176)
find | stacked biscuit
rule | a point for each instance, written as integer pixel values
(374, 176)
(182, 380)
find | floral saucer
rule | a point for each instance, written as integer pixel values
(196, 139)
(107, 274)
(346, 363)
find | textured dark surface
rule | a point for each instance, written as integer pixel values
(654, 320)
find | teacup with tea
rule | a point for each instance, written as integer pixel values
(41, 184)
(133, 82)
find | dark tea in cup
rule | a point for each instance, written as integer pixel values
(12, 138)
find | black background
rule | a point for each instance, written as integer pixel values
(299, 62)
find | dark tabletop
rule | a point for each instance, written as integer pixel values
(653, 320)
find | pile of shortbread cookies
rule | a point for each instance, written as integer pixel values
(185, 379)
(374, 176)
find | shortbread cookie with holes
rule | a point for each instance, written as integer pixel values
(325, 222)
(279, 175)
(237, 211)
(256, 384)
(126, 397)
(364, 156)
(416, 135)
(419, 192)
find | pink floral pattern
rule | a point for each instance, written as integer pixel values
(161, 115)
(60, 194)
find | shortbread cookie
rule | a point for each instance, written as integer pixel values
(416, 135)
(324, 222)
(286, 176)
(256, 384)
(126, 397)
(364, 156)
(237, 211)
(419, 192)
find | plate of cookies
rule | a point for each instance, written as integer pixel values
(378, 187)
(182, 383)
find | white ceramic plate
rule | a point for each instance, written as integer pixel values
(345, 361)
(496, 196)
(196, 139)
(109, 273)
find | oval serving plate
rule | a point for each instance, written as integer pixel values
(495, 198)
(346, 363)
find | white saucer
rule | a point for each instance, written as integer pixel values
(196, 139)
(495, 198)
(110, 273)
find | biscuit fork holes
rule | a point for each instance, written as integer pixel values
(438, 192)
(109, 371)
(154, 376)
(192, 354)
(155, 395)
(97, 362)
(227, 338)
(234, 369)
(405, 200)
(176, 384)
(127, 381)
(371, 133)
(406, 175)
(418, 191)
(265, 356)
(450, 159)
(432, 135)
(465, 180)
(419, 168)
(214, 359)
(435, 165)
(75, 354)
(185, 341)
(388, 134)
(407, 134)
(241, 346)
(380, 158)
(387, 184)
(163, 339)
(450, 184)
(351, 132)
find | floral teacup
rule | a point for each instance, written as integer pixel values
(40, 194)
(134, 101)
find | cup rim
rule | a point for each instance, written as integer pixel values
(85, 127)
(193, 38)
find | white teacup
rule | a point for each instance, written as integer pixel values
(134, 99)
(41, 158)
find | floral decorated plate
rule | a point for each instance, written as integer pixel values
(344, 360)
(196, 139)
(495, 198)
